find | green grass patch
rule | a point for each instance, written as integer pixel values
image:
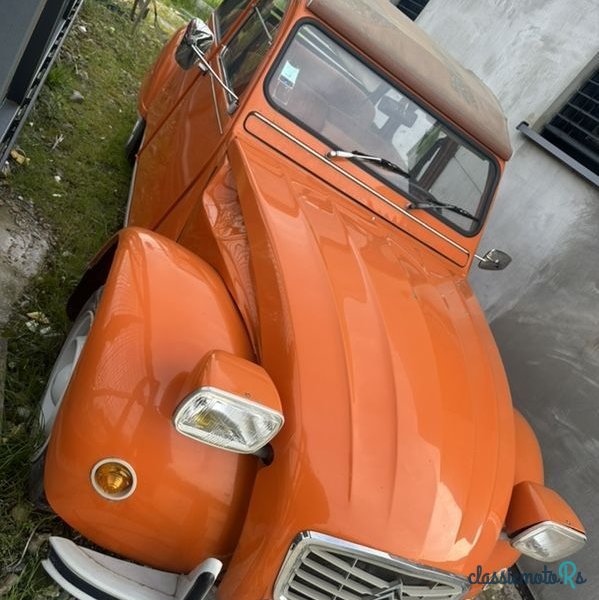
(78, 180)
(194, 7)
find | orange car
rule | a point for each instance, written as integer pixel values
(279, 384)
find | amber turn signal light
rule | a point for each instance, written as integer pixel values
(113, 479)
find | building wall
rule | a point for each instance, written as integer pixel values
(544, 309)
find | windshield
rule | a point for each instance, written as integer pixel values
(346, 103)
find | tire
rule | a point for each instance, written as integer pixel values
(133, 144)
(58, 381)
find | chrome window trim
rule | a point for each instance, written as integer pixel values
(232, 101)
(307, 538)
(216, 108)
(357, 181)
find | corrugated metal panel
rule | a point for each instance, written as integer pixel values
(575, 128)
(411, 8)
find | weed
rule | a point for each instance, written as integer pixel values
(78, 180)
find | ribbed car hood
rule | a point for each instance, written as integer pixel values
(399, 425)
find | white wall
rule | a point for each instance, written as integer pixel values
(527, 51)
(544, 308)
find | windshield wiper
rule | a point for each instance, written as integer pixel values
(386, 164)
(431, 203)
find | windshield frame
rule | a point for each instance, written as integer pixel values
(468, 142)
(233, 103)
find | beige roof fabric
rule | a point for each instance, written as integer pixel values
(386, 35)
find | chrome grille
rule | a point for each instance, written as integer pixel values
(319, 567)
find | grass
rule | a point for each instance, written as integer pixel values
(79, 189)
(190, 6)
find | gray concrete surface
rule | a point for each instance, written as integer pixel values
(544, 308)
(24, 242)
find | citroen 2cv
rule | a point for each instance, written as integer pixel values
(279, 384)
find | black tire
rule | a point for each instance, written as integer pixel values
(37, 492)
(133, 144)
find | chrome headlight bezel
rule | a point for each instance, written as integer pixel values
(572, 541)
(263, 422)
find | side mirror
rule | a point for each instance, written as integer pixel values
(196, 41)
(494, 260)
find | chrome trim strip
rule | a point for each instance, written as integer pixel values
(132, 185)
(208, 67)
(215, 101)
(307, 538)
(130, 196)
(357, 181)
(263, 23)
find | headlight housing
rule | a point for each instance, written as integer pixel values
(228, 421)
(549, 541)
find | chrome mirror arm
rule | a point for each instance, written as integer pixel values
(208, 67)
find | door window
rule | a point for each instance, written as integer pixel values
(227, 13)
(248, 47)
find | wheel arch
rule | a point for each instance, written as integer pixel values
(94, 277)
(163, 309)
(529, 460)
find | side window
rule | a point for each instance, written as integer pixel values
(248, 47)
(227, 13)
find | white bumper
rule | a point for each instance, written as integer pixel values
(89, 575)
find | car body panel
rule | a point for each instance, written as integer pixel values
(171, 159)
(399, 427)
(163, 84)
(138, 364)
(357, 186)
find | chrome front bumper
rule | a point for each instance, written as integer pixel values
(89, 575)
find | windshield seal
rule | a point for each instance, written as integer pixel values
(468, 142)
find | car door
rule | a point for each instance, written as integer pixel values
(179, 151)
(179, 155)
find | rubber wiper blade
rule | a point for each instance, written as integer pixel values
(383, 162)
(431, 203)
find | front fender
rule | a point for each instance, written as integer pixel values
(162, 310)
(161, 71)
